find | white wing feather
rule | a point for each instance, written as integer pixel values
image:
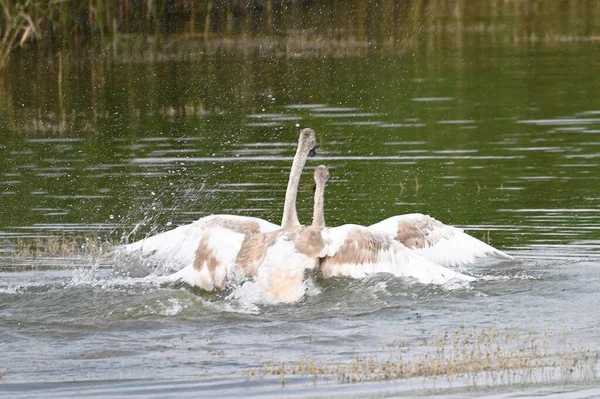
(357, 251)
(221, 245)
(176, 248)
(442, 244)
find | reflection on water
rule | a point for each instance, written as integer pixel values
(495, 137)
(84, 184)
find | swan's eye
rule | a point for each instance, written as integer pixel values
(312, 152)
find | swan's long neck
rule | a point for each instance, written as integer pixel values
(319, 205)
(290, 216)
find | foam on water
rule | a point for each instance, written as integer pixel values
(522, 275)
(168, 307)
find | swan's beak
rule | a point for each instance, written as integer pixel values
(312, 152)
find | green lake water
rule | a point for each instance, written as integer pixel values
(478, 128)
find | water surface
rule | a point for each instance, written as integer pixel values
(501, 140)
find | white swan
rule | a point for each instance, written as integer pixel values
(442, 244)
(278, 260)
(275, 260)
(285, 255)
(357, 251)
(218, 247)
(177, 248)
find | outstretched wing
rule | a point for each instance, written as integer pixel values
(214, 260)
(177, 248)
(442, 244)
(357, 251)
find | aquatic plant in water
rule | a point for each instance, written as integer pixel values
(482, 356)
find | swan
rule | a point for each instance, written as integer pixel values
(440, 243)
(357, 251)
(276, 260)
(280, 259)
(177, 248)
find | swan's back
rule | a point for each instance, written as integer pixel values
(287, 254)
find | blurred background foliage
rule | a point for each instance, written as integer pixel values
(61, 24)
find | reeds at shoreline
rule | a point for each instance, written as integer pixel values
(65, 24)
(71, 58)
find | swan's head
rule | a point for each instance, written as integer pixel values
(307, 142)
(321, 174)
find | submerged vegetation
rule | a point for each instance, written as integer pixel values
(55, 246)
(64, 24)
(50, 252)
(483, 356)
